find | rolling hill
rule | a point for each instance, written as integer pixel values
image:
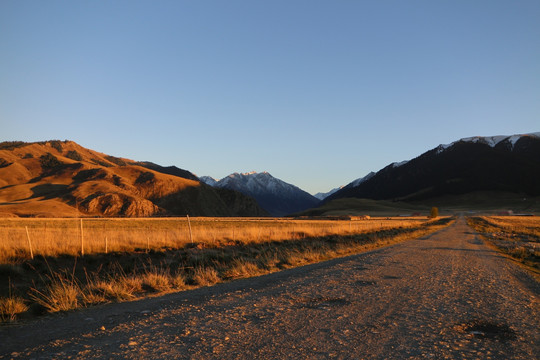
(61, 178)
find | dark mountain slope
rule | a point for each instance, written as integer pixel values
(510, 165)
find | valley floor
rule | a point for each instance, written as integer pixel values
(446, 295)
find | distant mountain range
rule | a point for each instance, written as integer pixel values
(497, 163)
(62, 178)
(274, 195)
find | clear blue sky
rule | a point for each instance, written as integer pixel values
(318, 93)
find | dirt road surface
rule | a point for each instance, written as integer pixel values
(447, 295)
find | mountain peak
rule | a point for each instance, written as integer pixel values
(274, 195)
(492, 141)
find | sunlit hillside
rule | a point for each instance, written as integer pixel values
(62, 178)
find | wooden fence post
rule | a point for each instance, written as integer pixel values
(190, 233)
(29, 243)
(82, 240)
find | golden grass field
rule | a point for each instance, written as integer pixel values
(520, 224)
(155, 256)
(56, 237)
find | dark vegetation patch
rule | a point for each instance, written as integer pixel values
(11, 145)
(101, 162)
(90, 174)
(49, 162)
(117, 180)
(56, 144)
(4, 163)
(115, 160)
(74, 155)
(145, 178)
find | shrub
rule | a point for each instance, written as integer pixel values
(434, 213)
(10, 307)
(122, 287)
(206, 276)
(178, 281)
(62, 294)
(242, 268)
(156, 280)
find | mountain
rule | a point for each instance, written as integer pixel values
(61, 178)
(208, 180)
(497, 163)
(361, 180)
(274, 195)
(322, 196)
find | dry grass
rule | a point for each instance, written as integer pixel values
(64, 292)
(10, 307)
(56, 237)
(206, 276)
(523, 225)
(241, 268)
(75, 282)
(61, 294)
(515, 236)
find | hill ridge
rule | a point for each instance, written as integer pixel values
(62, 178)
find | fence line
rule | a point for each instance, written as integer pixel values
(61, 237)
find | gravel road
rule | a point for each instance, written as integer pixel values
(447, 295)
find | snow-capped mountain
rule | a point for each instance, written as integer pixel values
(322, 196)
(208, 180)
(509, 140)
(362, 179)
(274, 195)
(509, 163)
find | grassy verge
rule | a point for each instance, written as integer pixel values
(521, 243)
(77, 282)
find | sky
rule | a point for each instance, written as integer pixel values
(317, 93)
